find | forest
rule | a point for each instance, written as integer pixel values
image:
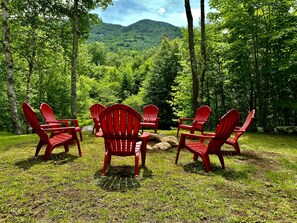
(251, 62)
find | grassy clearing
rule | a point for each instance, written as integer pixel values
(258, 186)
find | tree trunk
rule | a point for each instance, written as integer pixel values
(203, 54)
(31, 63)
(75, 34)
(192, 56)
(9, 63)
(40, 88)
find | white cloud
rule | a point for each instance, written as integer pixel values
(126, 12)
(162, 11)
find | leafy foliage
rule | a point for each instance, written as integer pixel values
(159, 82)
(251, 62)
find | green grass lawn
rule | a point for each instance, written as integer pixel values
(260, 185)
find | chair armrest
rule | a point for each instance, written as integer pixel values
(200, 121)
(183, 137)
(185, 119)
(58, 129)
(57, 121)
(49, 126)
(204, 136)
(145, 135)
(75, 121)
(99, 134)
(209, 134)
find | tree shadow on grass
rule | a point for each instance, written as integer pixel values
(55, 158)
(263, 161)
(229, 174)
(121, 178)
(253, 156)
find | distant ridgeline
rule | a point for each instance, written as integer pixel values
(141, 35)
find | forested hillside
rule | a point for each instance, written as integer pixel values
(141, 35)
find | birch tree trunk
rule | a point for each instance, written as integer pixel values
(75, 35)
(192, 55)
(9, 64)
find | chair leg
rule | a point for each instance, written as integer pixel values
(136, 164)
(177, 132)
(39, 146)
(47, 152)
(177, 155)
(104, 164)
(66, 146)
(97, 129)
(195, 157)
(108, 159)
(80, 134)
(206, 162)
(78, 147)
(220, 155)
(143, 156)
(236, 147)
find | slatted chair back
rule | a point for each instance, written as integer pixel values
(95, 110)
(150, 113)
(223, 130)
(246, 124)
(202, 114)
(47, 113)
(120, 126)
(32, 120)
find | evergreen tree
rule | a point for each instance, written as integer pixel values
(158, 85)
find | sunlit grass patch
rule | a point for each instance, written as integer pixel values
(257, 186)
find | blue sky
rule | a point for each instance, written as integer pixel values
(126, 12)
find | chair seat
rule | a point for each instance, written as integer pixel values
(197, 147)
(59, 139)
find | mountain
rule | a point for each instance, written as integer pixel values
(141, 35)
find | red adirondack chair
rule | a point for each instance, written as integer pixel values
(49, 117)
(95, 110)
(223, 130)
(240, 130)
(201, 117)
(120, 125)
(63, 135)
(150, 117)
